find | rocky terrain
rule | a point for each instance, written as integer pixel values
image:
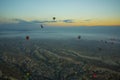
(39, 59)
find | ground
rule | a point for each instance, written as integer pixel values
(41, 59)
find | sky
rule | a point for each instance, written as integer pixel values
(67, 12)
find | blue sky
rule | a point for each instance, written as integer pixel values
(79, 12)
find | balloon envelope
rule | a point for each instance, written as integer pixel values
(54, 18)
(41, 26)
(79, 37)
(27, 38)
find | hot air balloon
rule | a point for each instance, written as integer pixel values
(79, 37)
(54, 18)
(41, 26)
(94, 75)
(27, 38)
(99, 48)
(106, 42)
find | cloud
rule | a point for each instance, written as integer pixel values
(20, 21)
(20, 24)
(36, 21)
(68, 21)
(87, 20)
